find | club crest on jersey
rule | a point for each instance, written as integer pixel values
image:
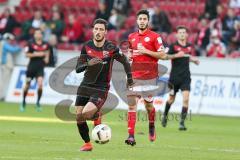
(105, 54)
(146, 39)
(35, 47)
(159, 39)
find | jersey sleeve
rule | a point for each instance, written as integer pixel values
(120, 57)
(158, 44)
(171, 49)
(28, 48)
(193, 51)
(82, 61)
(48, 47)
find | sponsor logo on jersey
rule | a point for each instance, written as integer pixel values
(146, 39)
(105, 54)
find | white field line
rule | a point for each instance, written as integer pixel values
(32, 119)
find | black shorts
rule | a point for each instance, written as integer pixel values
(88, 93)
(34, 72)
(183, 85)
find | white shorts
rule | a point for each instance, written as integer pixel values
(144, 89)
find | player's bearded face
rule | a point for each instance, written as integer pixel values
(142, 22)
(99, 32)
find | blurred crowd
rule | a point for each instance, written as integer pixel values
(218, 27)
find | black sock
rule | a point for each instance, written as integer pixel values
(39, 95)
(24, 96)
(184, 114)
(84, 131)
(151, 125)
(167, 107)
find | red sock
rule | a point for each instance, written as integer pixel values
(151, 116)
(131, 122)
(98, 120)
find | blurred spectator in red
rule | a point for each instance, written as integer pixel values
(160, 21)
(234, 3)
(102, 11)
(7, 22)
(217, 22)
(228, 26)
(34, 23)
(216, 48)
(73, 32)
(211, 9)
(56, 24)
(203, 36)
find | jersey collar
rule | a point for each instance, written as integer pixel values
(144, 33)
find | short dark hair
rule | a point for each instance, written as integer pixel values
(182, 27)
(143, 11)
(38, 29)
(101, 21)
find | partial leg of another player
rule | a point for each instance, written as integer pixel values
(84, 113)
(39, 93)
(132, 107)
(169, 102)
(185, 94)
(25, 91)
(151, 118)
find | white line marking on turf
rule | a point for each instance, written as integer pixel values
(44, 120)
(32, 119)
(208, 149)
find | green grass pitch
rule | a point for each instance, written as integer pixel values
(207, 138)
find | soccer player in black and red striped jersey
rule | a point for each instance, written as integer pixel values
(180, 77)
(96, 60)
(38, 53)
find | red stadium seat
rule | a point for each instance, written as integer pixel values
(130, 22)
(88, 34)
(192, 38)
(164, 36)
(112, 36)
(67, 46)
(171, 38)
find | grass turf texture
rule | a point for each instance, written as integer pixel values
(207, 138)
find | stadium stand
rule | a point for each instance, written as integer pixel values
(179, 12)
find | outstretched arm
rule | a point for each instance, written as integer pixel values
(159, 55)
(82, 61)
(194, 60)
(123, 59)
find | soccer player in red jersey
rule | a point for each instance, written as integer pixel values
(146, 48)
